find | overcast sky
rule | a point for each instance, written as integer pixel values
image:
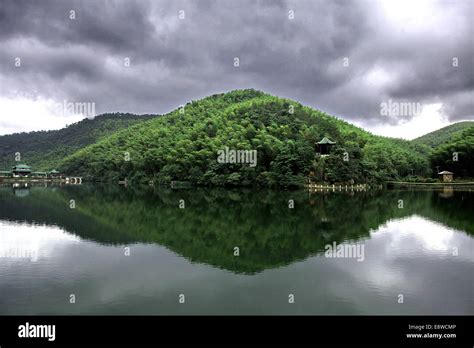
(346, 58)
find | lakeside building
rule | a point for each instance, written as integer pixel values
(5, 174)
(24, 171)
(446, 176)
(21, 170)
(54, 174)
(39, 174)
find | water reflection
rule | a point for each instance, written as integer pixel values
(423, 251)
(22, 241)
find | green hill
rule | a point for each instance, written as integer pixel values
(456, 155)
(443, 135)
(44, 150)
(183, 145)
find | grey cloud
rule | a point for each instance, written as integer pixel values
(174, 61)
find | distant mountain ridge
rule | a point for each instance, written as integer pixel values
(443, 135)
(44, 150)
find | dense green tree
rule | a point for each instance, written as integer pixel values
(441, 136)
(457, 155)
(44, 150)
(183, 145)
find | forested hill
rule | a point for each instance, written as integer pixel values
(183, 145)
(443, 135)
(457, 154)
(44, 150)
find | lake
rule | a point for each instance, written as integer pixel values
(91, 249)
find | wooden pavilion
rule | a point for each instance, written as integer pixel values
(324, 146)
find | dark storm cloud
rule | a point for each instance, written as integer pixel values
(175, 60)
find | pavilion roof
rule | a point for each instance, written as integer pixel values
(22, 166)
(326, 140)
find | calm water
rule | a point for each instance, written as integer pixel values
(415, 243)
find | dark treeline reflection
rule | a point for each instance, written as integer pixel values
(215, 221)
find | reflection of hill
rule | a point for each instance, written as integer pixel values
(267, 232)
(456, 213)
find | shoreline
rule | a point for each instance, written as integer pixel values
(432, 184)
(72, 180)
